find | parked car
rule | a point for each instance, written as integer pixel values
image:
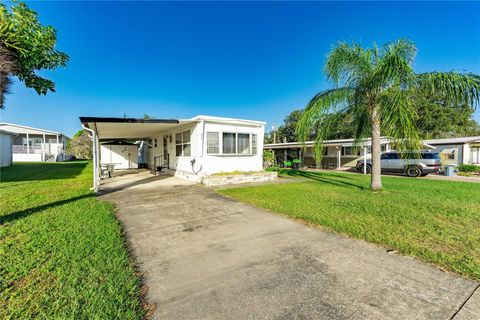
(412, 163)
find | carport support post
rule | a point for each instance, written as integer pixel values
(97, 164)
(364, 160)
(44, 149)
(339, 154)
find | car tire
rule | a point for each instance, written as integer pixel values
(414, 171)
(369, 168)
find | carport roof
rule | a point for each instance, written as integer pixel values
(127, 128)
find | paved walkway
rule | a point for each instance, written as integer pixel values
(206, 256)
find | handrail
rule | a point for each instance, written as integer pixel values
(160, 162)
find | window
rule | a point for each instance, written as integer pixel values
(243, 143)
(182, 144)
(229, 143)
(155, 144)
(232, 143)
(475, 155)
(350, 151)
(392, 156)
(213, 143)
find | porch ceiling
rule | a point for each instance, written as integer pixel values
(128, 128)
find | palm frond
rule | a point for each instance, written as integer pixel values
(462, 87)
(394, 65)
(324, 103)
(398, 119)
(348, 63)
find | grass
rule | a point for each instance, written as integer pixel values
(62, 253)
(436, 221)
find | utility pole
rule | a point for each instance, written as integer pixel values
(274, 135)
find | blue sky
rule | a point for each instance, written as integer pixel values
(247, 60)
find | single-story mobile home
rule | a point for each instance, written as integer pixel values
(6, 142)
(342, 153)
(336, 153)
(36, 145)
(189, 148)
(457, 151)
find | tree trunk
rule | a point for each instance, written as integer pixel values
(8, 65)
(376, 177)
(4, 87)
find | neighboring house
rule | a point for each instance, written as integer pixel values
(341, 153)
(124, 155)
(336, 153)
(6, 142)
(463, 150)
(36, 145)
(190, 148)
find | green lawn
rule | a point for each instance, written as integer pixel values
(62, 253)
(437, 221)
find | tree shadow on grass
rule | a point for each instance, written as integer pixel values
(17, 215)
(42, 171)
(334, 179)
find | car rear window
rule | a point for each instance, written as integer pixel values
(430, 155)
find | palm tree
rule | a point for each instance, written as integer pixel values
(378, 86)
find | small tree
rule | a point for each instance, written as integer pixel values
(80, 145)
(26, 46)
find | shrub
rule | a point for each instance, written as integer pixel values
(468, 168)
(268, 158)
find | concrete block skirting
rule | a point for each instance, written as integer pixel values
(220, 180)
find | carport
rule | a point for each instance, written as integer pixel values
(101, 129)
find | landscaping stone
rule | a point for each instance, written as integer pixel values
(220, 180)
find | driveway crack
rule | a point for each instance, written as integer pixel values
(465, 302)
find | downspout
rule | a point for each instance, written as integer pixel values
(95, 160)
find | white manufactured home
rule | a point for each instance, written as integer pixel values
(6, 142)
(457, 151)
(342, 153)
(190, 148)
(36, 145)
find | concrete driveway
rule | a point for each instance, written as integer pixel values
(206, 256)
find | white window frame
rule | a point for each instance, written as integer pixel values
(183, 144)
(343, 153)
(220, 144)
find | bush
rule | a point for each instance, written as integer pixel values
(268, 159)
(469, 168)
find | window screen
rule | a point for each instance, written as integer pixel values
(213, 145)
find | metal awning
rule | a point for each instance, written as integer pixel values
(127, 128)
